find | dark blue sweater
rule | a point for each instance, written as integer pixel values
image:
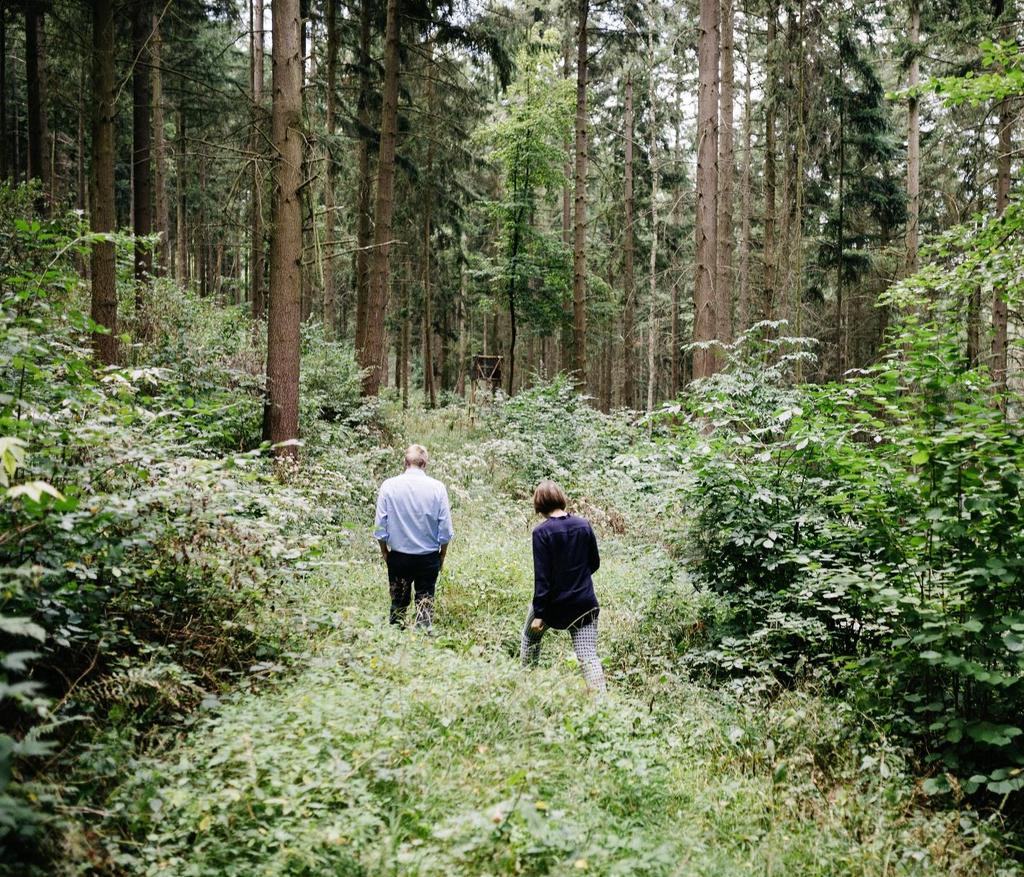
(564, 556)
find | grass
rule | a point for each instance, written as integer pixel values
(384, 752)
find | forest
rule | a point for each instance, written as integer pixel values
(745, 277)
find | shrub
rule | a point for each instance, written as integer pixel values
(867, 533)
(132, 547)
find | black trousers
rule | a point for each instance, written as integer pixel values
(413, 571)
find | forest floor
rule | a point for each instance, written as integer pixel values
(380, 751)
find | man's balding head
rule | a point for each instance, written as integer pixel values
(416, 455)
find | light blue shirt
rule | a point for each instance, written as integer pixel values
(413, 515)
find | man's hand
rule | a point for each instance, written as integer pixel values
(383, 550)
(537, 625)
(442, 551)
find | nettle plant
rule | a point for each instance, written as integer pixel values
(867, 533)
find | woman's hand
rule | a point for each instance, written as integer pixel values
(537, 625)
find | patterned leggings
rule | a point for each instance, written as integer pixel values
(584, 643)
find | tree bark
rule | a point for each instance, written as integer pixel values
(281, 414)
(4, 157)
(674, 330)
(726, 171)
(770, 98)
(743, 300)
(704, 317)
(103, 218)
(330, 292)
(628, 278)
(364, 194)
(842, 305)
(566, 339)
(913, 141)
(370, 354)
(142, 190)
(35, 73)
(257, 300)
(1004, 166)
(652, 304)
(460, 375)
(161, 221)
(579, 260)
(181, 267)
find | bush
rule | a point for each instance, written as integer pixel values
(866, 533)
(133, 549)
(611, 469)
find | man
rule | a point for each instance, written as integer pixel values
(413, 528)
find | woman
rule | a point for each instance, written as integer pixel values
(564, 556)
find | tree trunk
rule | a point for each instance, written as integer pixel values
(429, 384)
(652, 304)
(35, 73)
(256, 292)
(1004, 167)
(566, 340)
(913, 141)
(82, 198)
(377, 305)
(161, 222)
(103, 219)
(330, 292)
(579, 254)
(406, 331)
(142, 193)
(281, 413)
(674, 330)
(181, 228)
(842, 305)
(704, 318)
(460, 374)
(4, 161)
(770, 97)
(364, 194)
(726, 171)
(628, 279)
(743, 302)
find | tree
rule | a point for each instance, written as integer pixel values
(1003, 13)
(628, 280)
(330, 294)
(726, 171)
(35, 73)
(256, 292)
(281, 412)
(373, 350)
(531, 268)
(579, 252)
(103, 215)
(364, 192)
(141, 139)
(704, 302)
(161, 213)
(913, 138)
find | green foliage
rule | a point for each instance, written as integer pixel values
(534, 269)
(1001, 76)
(386, 752)
(614, 474)
(863, 533)
(126, 533)
(329, 380)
